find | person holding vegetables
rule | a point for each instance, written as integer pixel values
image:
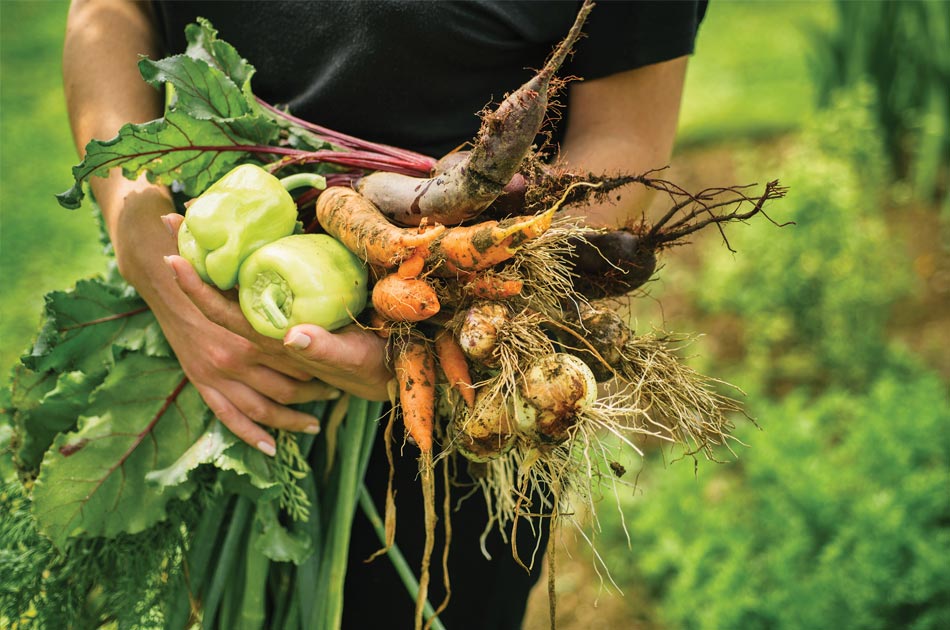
(409, 74)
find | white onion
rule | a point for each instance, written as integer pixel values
(556, 390)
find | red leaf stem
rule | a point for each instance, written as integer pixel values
(419, 162)
(102, 320)
(139, 437)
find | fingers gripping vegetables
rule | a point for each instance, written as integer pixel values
(504, 301)
(301, 279)
(242, 211)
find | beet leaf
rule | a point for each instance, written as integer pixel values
(92, 480)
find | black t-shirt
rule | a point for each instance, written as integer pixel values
(414, 73)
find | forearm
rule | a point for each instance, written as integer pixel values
(624, 124)
(103, 43)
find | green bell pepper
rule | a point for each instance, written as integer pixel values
(242, 211)
(302, 279)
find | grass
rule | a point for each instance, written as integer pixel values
(42, 246)
(749, 76)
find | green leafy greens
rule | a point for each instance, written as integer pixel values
(125, 502)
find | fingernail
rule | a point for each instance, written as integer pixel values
(334, 394)
(166, 219)
(168, 261)
(298, 341)
(267, 448)
(312, 429)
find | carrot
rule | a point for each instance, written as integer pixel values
(412, 266)
(415, 374)
(472, 248)
(470, 185)
(401, 299)
(490, 286)
(414, 366)
(454, 365)
(355, 222)
(375, 322)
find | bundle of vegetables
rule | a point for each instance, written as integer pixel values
(499, 313)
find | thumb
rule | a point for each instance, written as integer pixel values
(317, 344)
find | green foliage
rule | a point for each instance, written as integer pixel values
(749, 76)
(92, 480)
(837, 516)
(902, 49)
(814, 297)
(122, 582)
(210, 117)
(114, 443)
(42, 248)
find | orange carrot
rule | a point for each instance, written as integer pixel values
(414, 366)
(490, 286)
(477, 247)
(412, 266)
(375, 322)
(355, 222)
(415, 373)
(454, 365)
(401, 299)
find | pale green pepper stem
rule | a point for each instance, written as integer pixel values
(298, 180)
(272, 297)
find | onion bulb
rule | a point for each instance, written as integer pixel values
(555, 392)
(478, 335)
(486, 432)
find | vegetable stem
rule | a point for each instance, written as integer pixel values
(253, 601)
(352, 444)
(196, 564)
(299, 180)
(230, 552)
(272, 298)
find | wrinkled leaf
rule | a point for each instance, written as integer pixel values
(203, 43)
(47, 405)
(204, 92)
(220, 448)
(277, 542)
(176, 148)
(84, 325)
(92, 481)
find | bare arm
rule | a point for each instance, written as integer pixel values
(246, 380)
(104, 91)
(624, 123)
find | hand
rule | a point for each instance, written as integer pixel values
(244, 385)
(351, 358)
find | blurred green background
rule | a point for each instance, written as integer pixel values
(835, 512)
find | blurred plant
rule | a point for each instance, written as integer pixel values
(838, 516)
(902, 48)
(814, 298)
